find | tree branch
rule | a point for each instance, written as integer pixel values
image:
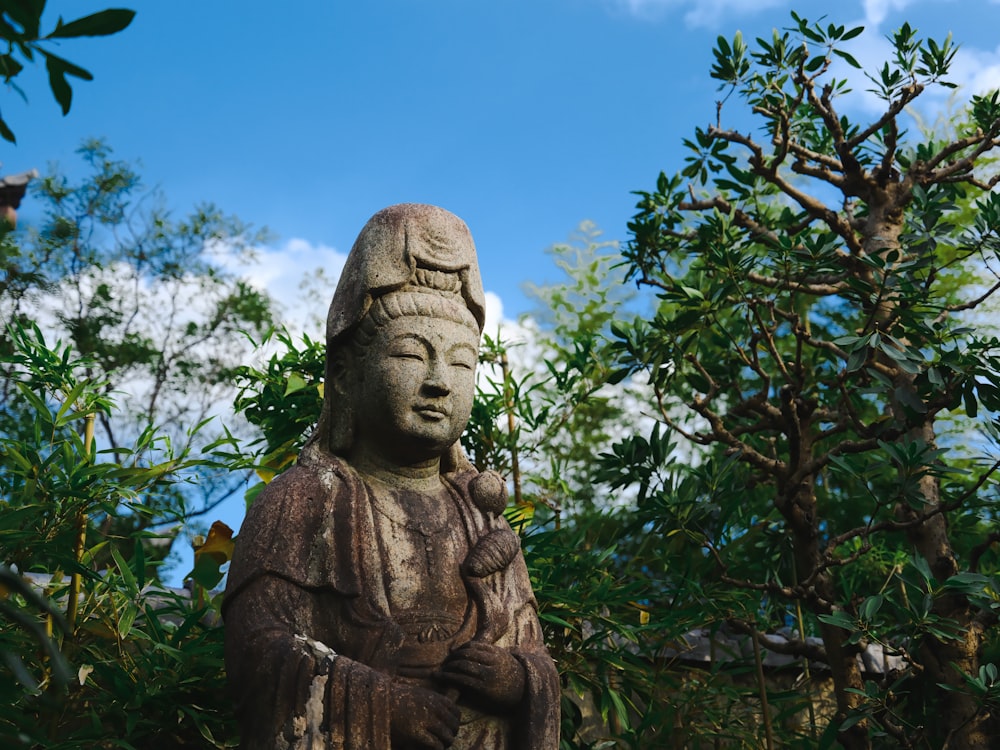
(907, 95)
(974, 303)
(780, 645)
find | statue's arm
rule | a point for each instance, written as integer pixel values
(260, 635)
(291, 683)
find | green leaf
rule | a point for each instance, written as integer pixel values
(839, 619)
(295, 383)
(139, 563)
(811, 34)
(127, 619)
(547, 617)
(692, 293)
(6, 132)
(9, 67)
(923, 568)
(126, 571)
(847, 58)
(65, 65)
(57, 82)
(907, 397)
(206, 573)
(870, 607)
(69, 402)
(857, 359)
(58, 68)
(971, 405)
(619, 705)
(103, 23)
(617, 376)
(850, 721)
(967, 582)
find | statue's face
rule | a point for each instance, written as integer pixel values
(415, 386)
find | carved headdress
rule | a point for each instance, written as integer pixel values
(410, 259)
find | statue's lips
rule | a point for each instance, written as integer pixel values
(432, 411)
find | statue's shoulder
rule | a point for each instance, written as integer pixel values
(277, 536)
(304, 491)
(295, 504)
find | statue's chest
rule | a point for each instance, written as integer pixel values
(421, 543)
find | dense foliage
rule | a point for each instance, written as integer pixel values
(817, 284)
(147, 300)
(95, 653)
(105, 451)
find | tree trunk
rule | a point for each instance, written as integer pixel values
(798, 505)
(963, 724)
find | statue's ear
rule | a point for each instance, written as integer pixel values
(335, 429)
(340, 369)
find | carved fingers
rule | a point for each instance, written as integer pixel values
(488, 674)
(422, 718)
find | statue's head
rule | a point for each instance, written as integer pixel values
(402, 336)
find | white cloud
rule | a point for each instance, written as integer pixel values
(977, 71)
(646, 9)
(876, 11)
(712, 13)
(494, 313)
(299, 275)
(302, 277)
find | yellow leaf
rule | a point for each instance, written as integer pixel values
(218, 546)
(643, 612)
(520, 514)
(275, 461)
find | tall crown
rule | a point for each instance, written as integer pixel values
(407, 244)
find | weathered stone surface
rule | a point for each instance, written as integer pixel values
(377, 597)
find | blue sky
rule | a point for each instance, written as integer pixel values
(524, 117)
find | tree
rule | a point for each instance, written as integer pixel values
(94, 653)
(93, 649)
(816, 283)
(146, 300)
(20, 30)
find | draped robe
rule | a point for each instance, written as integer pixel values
(313, 643)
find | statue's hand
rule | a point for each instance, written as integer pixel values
(487, 674)
(422, 718)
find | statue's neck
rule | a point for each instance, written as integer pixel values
(424, 477)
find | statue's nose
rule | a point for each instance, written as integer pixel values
(436, 383)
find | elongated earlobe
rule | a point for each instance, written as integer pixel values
(341, 371)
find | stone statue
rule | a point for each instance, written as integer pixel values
(377, 597)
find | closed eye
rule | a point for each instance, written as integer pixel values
(463, 356)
